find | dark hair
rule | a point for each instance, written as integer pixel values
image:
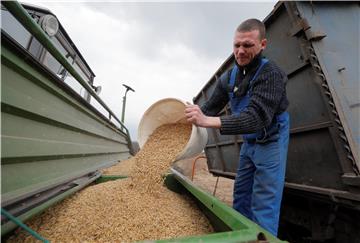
(252, 24)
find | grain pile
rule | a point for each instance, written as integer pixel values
(127, 210)
(122, 168)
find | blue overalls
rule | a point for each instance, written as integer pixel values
(260, 176)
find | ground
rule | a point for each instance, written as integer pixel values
(205, 180)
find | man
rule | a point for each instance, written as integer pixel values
(255, 88)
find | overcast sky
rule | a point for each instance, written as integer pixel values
(160, 49)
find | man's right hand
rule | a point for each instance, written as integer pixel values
(194, 115)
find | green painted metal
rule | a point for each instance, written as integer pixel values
(49, 135)
(20, 179)
(240, 236)
(105, 178)
(9, 226)
(25, 19)
(22, 225)
(173, 184)
(47, 102)
(41, 144)
(234, 220)
(44, 125)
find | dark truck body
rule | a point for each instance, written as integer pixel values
(317, 45)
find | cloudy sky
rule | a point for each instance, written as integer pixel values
(160, 49)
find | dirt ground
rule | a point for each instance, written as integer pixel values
(205, 180)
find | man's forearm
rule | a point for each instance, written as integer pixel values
(212, 122)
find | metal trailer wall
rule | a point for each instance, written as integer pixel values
(52, 139)
(317, 45)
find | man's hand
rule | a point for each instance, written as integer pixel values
(194, 115)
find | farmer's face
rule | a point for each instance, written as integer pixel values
(247, 45)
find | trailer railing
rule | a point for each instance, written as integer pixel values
(28, 22)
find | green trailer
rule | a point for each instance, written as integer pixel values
(54, 141)
(229, 225)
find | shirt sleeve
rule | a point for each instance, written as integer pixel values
(265, 98)
(218, 99)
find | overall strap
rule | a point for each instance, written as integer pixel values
(235, 70)
(263, 62)
(232, 79)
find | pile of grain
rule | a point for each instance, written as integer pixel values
(132, 209)
(124, 167)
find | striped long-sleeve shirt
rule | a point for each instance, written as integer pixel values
(267, 99)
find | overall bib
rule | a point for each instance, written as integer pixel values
(260, 176)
